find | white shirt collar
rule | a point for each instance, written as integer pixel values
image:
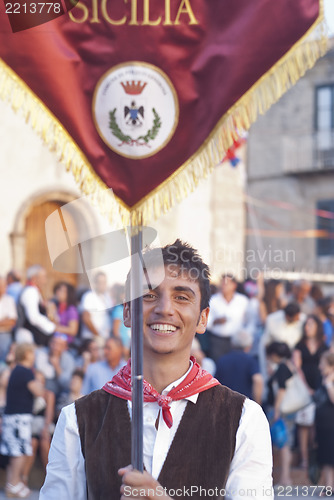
(169, 387)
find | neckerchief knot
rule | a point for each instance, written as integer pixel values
(196, 381)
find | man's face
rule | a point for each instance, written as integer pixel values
(41, 278)
(228, 286)
(302, 290)
(95, 351)
(171, 313)
(112, 351)
(58, 345)
(101, 284)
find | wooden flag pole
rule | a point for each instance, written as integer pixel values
(137, 348)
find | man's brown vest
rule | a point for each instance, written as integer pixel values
(199, 456)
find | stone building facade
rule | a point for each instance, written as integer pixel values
(290, 185)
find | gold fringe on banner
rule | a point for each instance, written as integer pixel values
(257, 100)
(53, 134)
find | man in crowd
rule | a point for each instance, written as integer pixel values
(33, 323)
(240, 371)
(301, 294)
(197, 433)
(8, 317)
(57, 365)
(14, 285)
(94, 306)
(97, 374)
(227, 315)
(285, 325)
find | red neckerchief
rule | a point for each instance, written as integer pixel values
(197, 380)
(62, 307)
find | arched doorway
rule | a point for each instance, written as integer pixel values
(36, 244)
(28, 239)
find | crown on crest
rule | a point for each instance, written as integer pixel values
(133, 87)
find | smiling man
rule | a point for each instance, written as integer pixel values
(200, 438)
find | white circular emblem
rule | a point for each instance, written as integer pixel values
(135, 109)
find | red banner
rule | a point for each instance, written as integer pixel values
(148, 94)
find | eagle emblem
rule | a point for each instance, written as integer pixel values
(134, 115)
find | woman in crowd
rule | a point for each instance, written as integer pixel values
(306, 358)
(63, 310)
(274, 297)
(324, 418)
(278, 355)
(16, 425)
(42, 428)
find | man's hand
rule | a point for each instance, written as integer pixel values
(140, 485)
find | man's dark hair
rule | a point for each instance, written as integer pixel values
(281, 349)
(184, 257)
(292, 309)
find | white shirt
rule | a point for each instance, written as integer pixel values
(278, 330)
(97, 305)
(234, 312)
(7, 307)
(250, 473)
(30, 300)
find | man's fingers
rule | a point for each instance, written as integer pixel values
(133, 480)
(124, 470)
(132, 477)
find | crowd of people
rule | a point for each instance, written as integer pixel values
(259, 334)
(263, 335)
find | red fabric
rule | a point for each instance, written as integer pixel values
(197, 380)
(211, 65)
(62, 307)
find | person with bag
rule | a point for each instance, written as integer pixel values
(280, 397)
(306, 358)
(324, 418)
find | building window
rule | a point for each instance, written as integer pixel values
(324, 124)
(325, 245)
(325, 107)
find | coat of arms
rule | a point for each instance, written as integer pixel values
(136, 109)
